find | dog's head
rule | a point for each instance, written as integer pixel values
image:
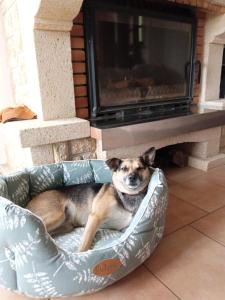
(131, 176)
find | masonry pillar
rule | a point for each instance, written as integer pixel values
(214, 40)
(45, 30)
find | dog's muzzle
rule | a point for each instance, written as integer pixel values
(132, 180)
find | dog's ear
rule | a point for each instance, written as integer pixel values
(114, 163)
(149, 156)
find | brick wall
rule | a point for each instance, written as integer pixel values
(79, 67)
(213, 6)
(78, 51)
(201, 17)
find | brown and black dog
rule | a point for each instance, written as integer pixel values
(110, 205)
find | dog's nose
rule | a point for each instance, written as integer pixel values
(132, 177)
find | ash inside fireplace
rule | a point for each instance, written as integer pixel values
(141, 82)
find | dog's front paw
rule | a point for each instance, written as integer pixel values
(83, 248)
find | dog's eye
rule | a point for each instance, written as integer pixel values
(124, 169)
(140, 168)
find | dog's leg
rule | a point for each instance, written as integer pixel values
(101, 205)
(91, 227)
(94, 220)
(64, 228)
(53, 220)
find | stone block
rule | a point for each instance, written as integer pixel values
(53, 52)
(205, 149)
(36, 132)
(222, 142)
(197, 149)
(61, 151)
(42, 155)
(206, 164)
(82, 146)
(223, 131)
(88, 155)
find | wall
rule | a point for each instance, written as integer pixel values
(15, 55)
(6, 96)
(6, 92)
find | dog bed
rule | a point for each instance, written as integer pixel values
(34, 264)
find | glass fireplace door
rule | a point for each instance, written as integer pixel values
(138, 58)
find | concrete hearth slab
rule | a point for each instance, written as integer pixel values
(35, 132)
(142, 133)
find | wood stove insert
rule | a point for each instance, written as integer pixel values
(140, 60)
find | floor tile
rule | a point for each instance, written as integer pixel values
(191, 265)
(140, 284)
(213, 225)
(204, 183)
(182, 174)
(217, 175)
(200, 192)
(180, 213)
(6, 295)
(170, 182)
(218, 170)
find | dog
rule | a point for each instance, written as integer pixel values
(94, 205)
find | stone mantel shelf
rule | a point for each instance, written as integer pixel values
(136, 134)
(32, 133)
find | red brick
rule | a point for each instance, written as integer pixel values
(80, 91)
(80, 79)
(81, 102)
(78, 55)
(77, 42)
(77, 30)
(200, 13)
(79, 67)
(199, 51)
(82, 113)
(201, 23)
(200, 31)
(193, 2)
(197, 90)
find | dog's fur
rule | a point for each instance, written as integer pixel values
(97, 205)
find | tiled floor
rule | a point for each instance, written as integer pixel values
(189, 263)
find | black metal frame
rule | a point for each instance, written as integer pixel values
(179, 14)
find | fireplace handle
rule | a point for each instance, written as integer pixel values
(187, 71)
(198, 65)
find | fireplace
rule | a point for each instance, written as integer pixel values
(140, 60)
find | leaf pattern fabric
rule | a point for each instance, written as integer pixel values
(3, 188)
(45, 178)
(18, 187)
(37, 265)
(71, 241)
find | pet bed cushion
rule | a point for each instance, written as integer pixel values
(35, 264)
